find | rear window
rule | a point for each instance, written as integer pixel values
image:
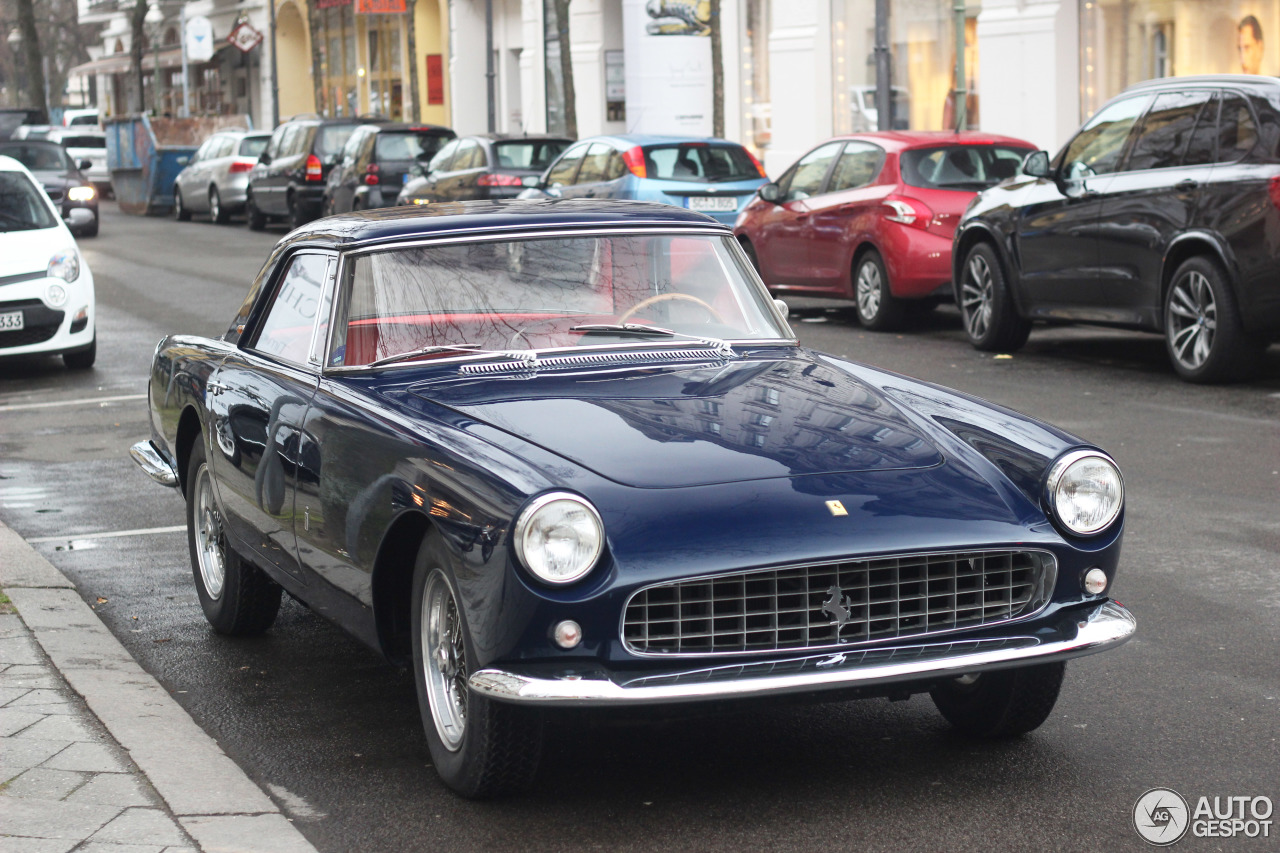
(253, 146)
(527, 154)
(84, 142)
(408, 145)
(93, 119)
(699, 162)
(331, 139)
(22, 204)
(961, 167)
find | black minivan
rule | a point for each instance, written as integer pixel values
(377, 162)
(1161, 214)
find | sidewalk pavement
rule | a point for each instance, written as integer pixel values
(96, 756)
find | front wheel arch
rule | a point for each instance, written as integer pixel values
(189, 433)
(392, 585)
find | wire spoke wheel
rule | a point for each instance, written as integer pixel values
(444, 661)
(976, 296)
(210, 552)
(1192, 320)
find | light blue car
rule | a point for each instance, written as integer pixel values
(712, 176)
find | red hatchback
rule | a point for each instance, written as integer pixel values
(870, 217)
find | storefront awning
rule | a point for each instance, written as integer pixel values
(170, 57)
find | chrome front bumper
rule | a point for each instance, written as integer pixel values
(1079, 632)
(155, 465)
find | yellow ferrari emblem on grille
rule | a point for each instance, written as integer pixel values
(837, 508)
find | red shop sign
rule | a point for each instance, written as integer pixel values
(380, 7)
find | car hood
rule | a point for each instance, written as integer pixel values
(666, 427)
(24, 252)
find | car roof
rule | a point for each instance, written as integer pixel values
(391, 224)
(512, 137)
(628, 140)
(902, 140)
(15, 143)
(1255, 81)
(406, 127)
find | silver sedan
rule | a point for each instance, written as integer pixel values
(215, 179)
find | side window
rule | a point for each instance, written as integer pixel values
(227, 148)
(594, 164)
(1203, 147)
(562, 172)
(351, 150)
(466, 158)
(277, 141)
(857, 166)
(1097, 147)
(615, 168)
(202, 153)
(302, 143)
(809, 173)
(1237, 131)
(1166, 130)
(443, 161)
(479, 159)
(287, 329)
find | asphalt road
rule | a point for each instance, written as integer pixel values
(1193, 703)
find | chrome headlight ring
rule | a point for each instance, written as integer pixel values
(1084, 491)
(559, 537)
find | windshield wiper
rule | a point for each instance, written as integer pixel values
(722, 348)
(421, 351)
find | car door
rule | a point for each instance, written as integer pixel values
(257, 399)
(460, 181)
(1057, 229)
(1147, 204)
(591, 180)
(266, 181)
(843, 216)
(784, 232)
(191, 179)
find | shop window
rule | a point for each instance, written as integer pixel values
(1162, 50)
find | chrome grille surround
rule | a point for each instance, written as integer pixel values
(595, 359)
(801, 607)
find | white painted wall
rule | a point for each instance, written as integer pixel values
(1030, 84)
(799, 80)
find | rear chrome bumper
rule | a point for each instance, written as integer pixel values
(1078, 632)
(155, 465)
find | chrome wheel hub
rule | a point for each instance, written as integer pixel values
(868, 290)
(209, 541)
(444, 660)
(1191, 320)
(976, 297)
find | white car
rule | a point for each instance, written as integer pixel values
(47, 301)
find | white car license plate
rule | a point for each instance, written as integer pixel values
(719, 204)
(12, 322)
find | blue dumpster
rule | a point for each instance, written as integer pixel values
(145, 155)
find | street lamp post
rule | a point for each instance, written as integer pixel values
(155, 23)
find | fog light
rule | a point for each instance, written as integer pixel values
(568, 634)
(56, 295)
(1095, 581)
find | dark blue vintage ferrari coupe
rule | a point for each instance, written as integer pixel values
(561, 453)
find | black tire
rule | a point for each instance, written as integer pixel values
(1203, 333)
(496, 748)
(90, 230)
(296, 217)
(217, 212)
(991, 319)
(750, 252)
(878, 309)
(247, 601)
(1001, 704)
(180, 211)
(257, 219)
(84, 359)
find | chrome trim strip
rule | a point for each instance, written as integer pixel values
(1049, 580)
(1104, 627)
(492, 232)
(153, 464)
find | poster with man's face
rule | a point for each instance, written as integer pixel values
(1250, 45)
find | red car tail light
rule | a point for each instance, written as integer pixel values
(634, 158)
(371, 174)
(315, 170)
(759, 168)
(908, 211)
(1273, 191)
(241, 166)
(491, 179)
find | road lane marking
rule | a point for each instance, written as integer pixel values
(79, 537)
(91, 401)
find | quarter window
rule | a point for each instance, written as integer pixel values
(1237, 132)
(1202, 149)
(1097, 148)
(1166, 130)
(287, 329)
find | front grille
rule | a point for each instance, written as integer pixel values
(39, 323)
(54, 195)
(835, 604)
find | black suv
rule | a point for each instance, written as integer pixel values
(289, 178)
(377, 162)
(1162, 213)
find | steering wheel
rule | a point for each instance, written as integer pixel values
(666, 297)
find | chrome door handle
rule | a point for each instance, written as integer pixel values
(216, 388)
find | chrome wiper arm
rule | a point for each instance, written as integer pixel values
(623, 328)
(428, 350)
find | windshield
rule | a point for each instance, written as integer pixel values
(528, 154)
(540, 294)
(38, 156)
(700, 163)
(252, 146)
(961, 167)
(409, 145)
(84, 142)
(22, 204)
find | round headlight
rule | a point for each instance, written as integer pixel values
(64, 265)
(56, 295)
(1086, 491)
(559, 537)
